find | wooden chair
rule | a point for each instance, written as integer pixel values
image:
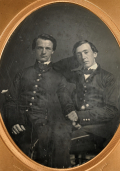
(84, 148)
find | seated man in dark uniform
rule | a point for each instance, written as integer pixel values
(35, 108)
(95, 95)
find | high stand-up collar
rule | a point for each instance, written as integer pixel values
(42, 67)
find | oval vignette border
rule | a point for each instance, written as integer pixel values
(3, 40)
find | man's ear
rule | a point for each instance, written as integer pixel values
(95, 54)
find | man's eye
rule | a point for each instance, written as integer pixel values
(47, 48)
(39, 48)
(85, 52)
(78, 54)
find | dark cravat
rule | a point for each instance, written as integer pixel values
(88, 72)
(44, 66)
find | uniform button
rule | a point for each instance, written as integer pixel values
(85, 90)
(34, 92)
(88, 119)
(38, 79)
(84, 94)
(30, 104)
(87, 81)
(32, 98)
(84, 86)
(43, 70)
(39, 75)
(83, 107)
(84, 100)
(36, 85)
(43, 124)
(87, 105)
(83, 119)
(26, 110)
(46, 117)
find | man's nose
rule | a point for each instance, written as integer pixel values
(83, 56)
(44, 51)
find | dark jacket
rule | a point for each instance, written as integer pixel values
(39, 93)
(95, 97)
(39, 99)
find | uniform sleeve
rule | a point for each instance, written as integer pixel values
(65, 66)
(64, 96)
(105, 112)
(11, 107)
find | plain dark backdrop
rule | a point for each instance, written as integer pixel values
(68, 23)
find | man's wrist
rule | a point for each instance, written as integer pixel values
(72, 116)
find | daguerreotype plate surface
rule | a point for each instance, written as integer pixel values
(59, 87)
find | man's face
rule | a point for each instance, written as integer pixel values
(85, 55)
(43, 50)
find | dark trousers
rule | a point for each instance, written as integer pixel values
(97, 134)
(53, 146)
(62, 142)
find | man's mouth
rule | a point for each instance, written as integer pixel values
(85, 62)
(43, 56)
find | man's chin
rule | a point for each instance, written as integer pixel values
(86, 66)
(42, 60)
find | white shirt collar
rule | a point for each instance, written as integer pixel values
(45, 62)
(93, 66)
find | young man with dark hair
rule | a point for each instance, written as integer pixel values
(95, 96)
(36, 107)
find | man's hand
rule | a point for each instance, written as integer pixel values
(78, 126)
(16, 129)
(72, 116)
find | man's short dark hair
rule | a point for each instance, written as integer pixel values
(79, 43)
(45, 37)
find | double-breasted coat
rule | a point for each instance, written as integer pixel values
(39, 100)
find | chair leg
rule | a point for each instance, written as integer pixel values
(83, 155)
(76, 159)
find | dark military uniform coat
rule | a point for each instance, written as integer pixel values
(95, 99)
(39, 101)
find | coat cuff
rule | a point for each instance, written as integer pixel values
(13, 116)
(85, 118)
(69, 108)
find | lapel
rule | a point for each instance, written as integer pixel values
(97, 71)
